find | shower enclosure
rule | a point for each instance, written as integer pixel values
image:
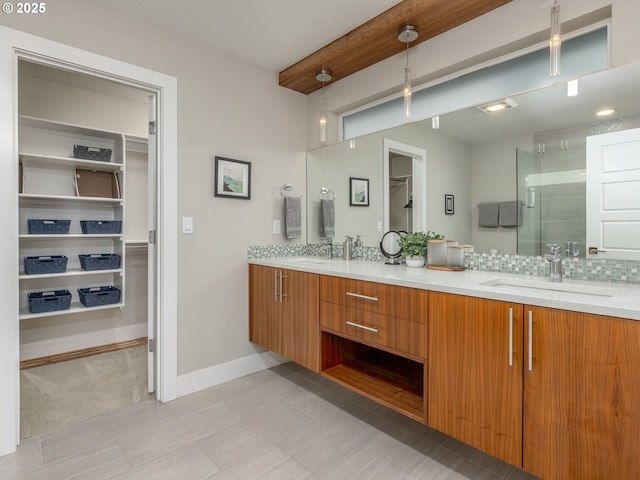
(551, 190)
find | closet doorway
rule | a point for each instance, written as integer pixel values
(87, 156)
(404, 187)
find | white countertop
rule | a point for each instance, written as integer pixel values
(613, 299)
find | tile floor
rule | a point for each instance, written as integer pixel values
(282, 423)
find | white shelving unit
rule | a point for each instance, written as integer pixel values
(49, 191)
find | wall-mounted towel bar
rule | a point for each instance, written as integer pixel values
(287, 187)
(326, 194)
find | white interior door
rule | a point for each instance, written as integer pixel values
(152, 299)
(613, 194)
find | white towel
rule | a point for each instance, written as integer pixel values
(292, 217)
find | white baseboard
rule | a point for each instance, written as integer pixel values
(46, 348)
(225, 372)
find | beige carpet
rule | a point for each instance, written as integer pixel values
(55, 395)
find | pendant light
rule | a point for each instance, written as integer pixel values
(555, 40)
(323, 76)
(407, 34)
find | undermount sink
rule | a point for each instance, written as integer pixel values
(304, 261)
(514, 285)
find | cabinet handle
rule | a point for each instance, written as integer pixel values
(530, 341)
(511, 337)
(282, 294)
(275, 285)
(357, 295)
(364, 327)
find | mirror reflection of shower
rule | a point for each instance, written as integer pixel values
(551, 187)
(400, 192)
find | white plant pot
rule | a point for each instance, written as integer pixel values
(416, 261)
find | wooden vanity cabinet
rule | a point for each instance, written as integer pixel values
(374, 340)
(581, 396)
(283, 313)
(475, 372)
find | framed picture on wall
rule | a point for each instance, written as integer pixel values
(448, 204)
(232, 178)
(358, 192)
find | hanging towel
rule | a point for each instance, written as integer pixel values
(508, 214)
(327, 218)
(292, 217)
(488, 214)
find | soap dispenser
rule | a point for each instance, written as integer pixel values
(347, 248)
(357, 246)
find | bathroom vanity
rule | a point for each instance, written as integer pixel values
(541, 375)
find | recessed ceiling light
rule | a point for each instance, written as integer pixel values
(498, 106)
(605, 112)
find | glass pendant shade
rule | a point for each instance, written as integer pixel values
(323, 121)
(555, 41)
(407, 34)
(323, 76)
(407, 92)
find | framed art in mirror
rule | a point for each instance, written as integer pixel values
(448, 204)
(358, 192)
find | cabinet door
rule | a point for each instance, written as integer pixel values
(475, 373)
(300, 328)
(581, 396)
(265, 307)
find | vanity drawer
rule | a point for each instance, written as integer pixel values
(401, 302)
(394, 333)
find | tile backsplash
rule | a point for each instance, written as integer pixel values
(600, 270)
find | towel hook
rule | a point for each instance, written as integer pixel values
(327, 192)
(287, 187)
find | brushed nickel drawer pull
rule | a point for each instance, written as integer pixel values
(511, 337)
(369, 329)
(364, 297)
(530, 341)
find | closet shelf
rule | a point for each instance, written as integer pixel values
(31, 198)
(71, 272)
(49, 160)
(67, 128)
(76, 307)
(63, 236)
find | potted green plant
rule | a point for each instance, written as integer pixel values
(413, 246)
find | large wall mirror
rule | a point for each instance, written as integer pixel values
(533, 153)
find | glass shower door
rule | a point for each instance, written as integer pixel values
(529, 224)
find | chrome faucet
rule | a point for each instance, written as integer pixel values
(570, 250)
(554, 257)
(328, 245)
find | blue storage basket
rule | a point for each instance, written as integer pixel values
(93, 227)
(98, 296)
(45, 264)
(41, 302)
(100, 261)
(48, 227)
(92, 153)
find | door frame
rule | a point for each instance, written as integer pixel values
(15, 44)
(419, 182)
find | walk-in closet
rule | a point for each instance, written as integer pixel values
(84, 176)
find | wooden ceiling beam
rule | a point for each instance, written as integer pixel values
(377, 39)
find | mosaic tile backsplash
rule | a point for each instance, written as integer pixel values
(621, 271)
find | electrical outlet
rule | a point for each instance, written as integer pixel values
(276, 226)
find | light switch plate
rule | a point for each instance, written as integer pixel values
(276, 226)
(187, 225)
(379, 225)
